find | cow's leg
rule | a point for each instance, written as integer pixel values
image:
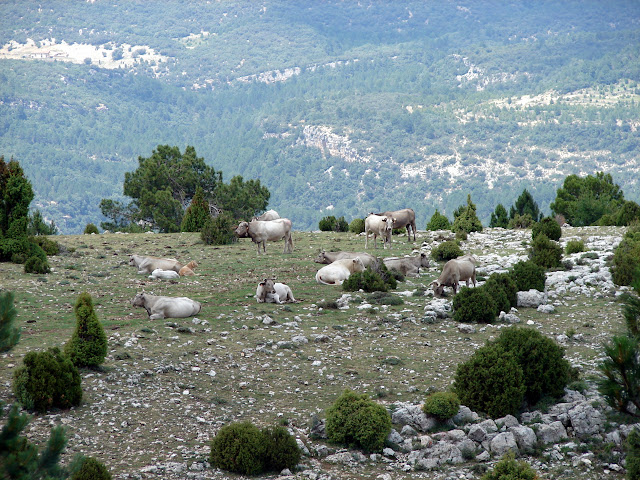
(156, 316)
(366, 241)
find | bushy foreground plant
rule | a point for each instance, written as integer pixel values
(90, 229)
(357, 226)
(442, 405)
(510, 469)
(626, 258)
(620, 369)
(88, 468)
(574, 246)
(527, 276)
(474, 305)
(218, 230)
(446, 251)
(46, 380)
(491, 381)
(632, 447)
(504, 287)
(357, 421)
(244, 448)
(545, 252)
(9, 333)
(88, 344)
(377, 278)
(20, 459)
(547, 226)
(546, 371)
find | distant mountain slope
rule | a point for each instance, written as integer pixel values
(338, 108)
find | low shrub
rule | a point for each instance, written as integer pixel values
(88, 468)
(375, 278)
(90, 228)
(520, 221)
(491, 381)
(357, 421)
(282, 450)
(333, 224)
(384, 298)
(357, 226)
(503, 282)
(240, 448)
(446, 251)
(528, 275)
(545, 252)
(87, 346)
(9, 332)
(547, 226)
(442, 405)
(574, 246)
(510, 469)
(49, 247)
(438, 221)
(546, 371)
(46, 380)
(632, 448)
(473, 305)
(36, 264)
(218, 230)
(626, 260)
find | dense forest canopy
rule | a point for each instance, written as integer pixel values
(338, 108)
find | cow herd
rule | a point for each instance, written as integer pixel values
(338, 266)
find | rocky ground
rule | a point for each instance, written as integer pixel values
(167, 387)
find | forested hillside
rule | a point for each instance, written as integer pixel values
(338, 108)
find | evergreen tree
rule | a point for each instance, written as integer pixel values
(525, 204)
(19, 459)
(197, 213)
(499, 217)
(15, 197)
(243, 200)
(9, 333)
(466, 219)
(88, 344)
(438, 221)
(37, 225)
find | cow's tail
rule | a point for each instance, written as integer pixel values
(320, 280)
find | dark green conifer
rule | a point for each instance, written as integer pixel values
(88, 344)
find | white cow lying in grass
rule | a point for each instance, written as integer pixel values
(337, 272)
(149, 264)
(166, 307)
(269, 291)
(164, 274)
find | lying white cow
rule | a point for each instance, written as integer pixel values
(337, 272)
(164, 274)
(407, 265)
(268, 215)
(270, 230)
(166, 307)
(271, 292)
(380, 226)
(329, 257)
(149, 264)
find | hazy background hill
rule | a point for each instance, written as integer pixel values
(339, 108)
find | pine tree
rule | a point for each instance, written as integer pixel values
(466, 218)
(438, 221)
(9, 334)
(88, 344)
(499, 218)
(197, 213)
(525, 204)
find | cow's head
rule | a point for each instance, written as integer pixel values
(242, 230)
(265, 287)
(321, 258)
(138, 300)
(438, 289)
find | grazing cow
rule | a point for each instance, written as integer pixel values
(271, 292)
(461, 269)
(269, 230)
(268, 215)
(166, 307)
(188, 269)
(330, 257)
(403, 218)
(379, 226)
(337, 272)
(164, 274)
(407, 265)
(149, 264)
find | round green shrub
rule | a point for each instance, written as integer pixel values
(520, 221)
(546, 371)
(48, 246)
(442, 405)
(446, 251)
(87, 346)
(473, 305)
(510, 469)
(373, 279)
(90, 228)
(36, 265)
(528, 275)
(574, 246)
(357, 226)
(282, 449)
(240, 448)
(491, 381)
(89, 468)
(547, 226)
(46, 380)
(503, 289)
(333, 224)
(438, 222)
(218, 230)
(357, 421)
(626, 260)
(545, 252)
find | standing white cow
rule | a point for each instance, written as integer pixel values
(166, 307)
(380, 226)
(270, 230)
(403, 218)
